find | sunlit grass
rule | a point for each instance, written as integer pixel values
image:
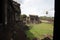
(38, 30)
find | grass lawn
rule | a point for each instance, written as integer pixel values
(38, 30)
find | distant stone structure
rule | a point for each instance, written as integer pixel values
(32, 19)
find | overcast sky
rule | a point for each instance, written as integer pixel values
(37, 7)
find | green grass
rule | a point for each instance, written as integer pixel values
(38, 30)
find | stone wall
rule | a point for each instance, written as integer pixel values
(8, 21)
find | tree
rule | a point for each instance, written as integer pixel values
(22, 17)
(46, 12)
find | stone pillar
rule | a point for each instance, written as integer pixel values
(3, 32)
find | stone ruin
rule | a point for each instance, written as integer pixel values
(11, 28)
(34, 19)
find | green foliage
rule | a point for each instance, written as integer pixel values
(46, 18)
(22, 17)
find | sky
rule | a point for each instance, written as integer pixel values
(37, 7)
